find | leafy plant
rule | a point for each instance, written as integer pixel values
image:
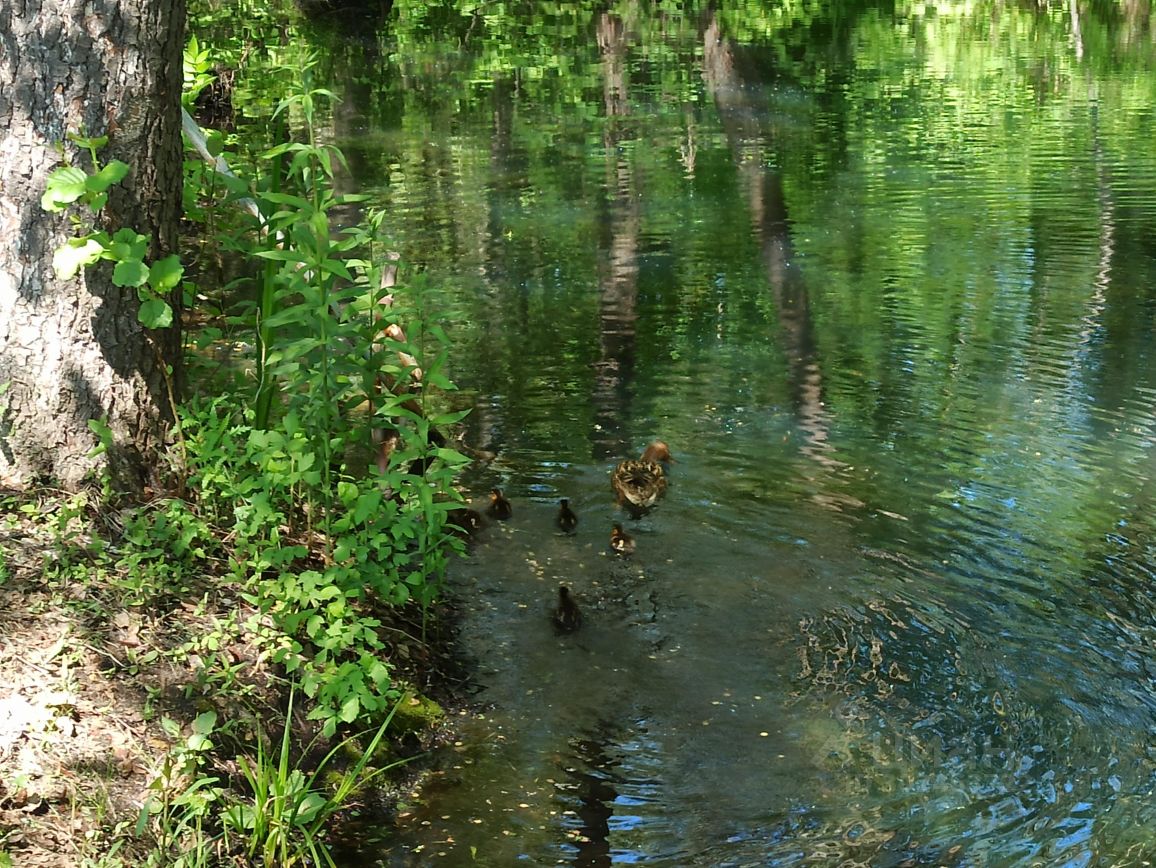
(127, 248)
(183, 798)
(198, 71)
(326, 530)
(283, 822)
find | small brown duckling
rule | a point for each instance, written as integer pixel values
(567, 617)
(620, 540)
(463, 521)
(499, 507)
(567, 519)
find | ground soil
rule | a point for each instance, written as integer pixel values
(81, 701)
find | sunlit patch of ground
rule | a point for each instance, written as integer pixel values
(75, 751)
(81, 699)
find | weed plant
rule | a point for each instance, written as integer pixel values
(323, 530)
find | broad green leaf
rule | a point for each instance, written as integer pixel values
(205, 722)
(113, 173)
(336, 266)
(241, 817)
(166, 273)
(281, 255)
(346, 492)
(74, 255)
(309, 807)
(128, 244)
(155, 313)
(367, 504)
(350, 708)
(65, 185)
(130, 272)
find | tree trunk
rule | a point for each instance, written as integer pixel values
(73, 350)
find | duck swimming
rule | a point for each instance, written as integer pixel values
(567, 617)
(620, 540)
(499, 507)
(639, 482)
(567, 519)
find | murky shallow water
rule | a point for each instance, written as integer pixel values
(887, 285)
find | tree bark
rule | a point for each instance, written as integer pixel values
(72, 351)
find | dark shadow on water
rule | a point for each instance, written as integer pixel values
(590, 792)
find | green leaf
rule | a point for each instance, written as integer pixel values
(240, 817)
(128, 244)
(367, 504)
(346, 492)
(155, 313)
(310, 806)
(89, 143)
(214, 143)
(166, 274)
(198, 741)
(130, 272)
(281, 255)
(113, 173)
(336, 266)
(65, 185)
(349, 709)
(74, 255)
(205, 722)
(288, 199)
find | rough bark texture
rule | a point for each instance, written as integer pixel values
(71, 351)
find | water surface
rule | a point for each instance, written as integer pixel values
(885, 280)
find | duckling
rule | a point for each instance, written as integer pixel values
(567, 519)
(567, 617)
(463, 522)
(639, 482)
(620, 540)
(499, 507)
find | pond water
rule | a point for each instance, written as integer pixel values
(884, 278)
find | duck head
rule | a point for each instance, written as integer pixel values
(657, 452)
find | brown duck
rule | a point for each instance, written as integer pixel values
(499, 507)
(620, 540)
(639, 482)
(567, 617)
(567, 519)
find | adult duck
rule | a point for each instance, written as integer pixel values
(639, 482)
(567, 616)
